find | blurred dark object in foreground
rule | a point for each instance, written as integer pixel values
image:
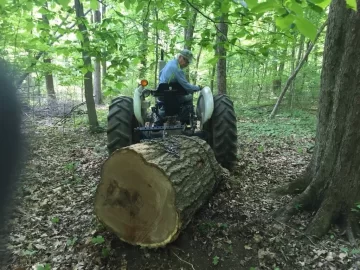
(10, 149)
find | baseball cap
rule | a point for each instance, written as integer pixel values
(187, 54)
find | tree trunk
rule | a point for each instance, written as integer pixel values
(333, 175)
(97, 67)
(292, 86)
(156, 49)
(103, 63)
(49, 80)
(221, 52)
(197, 65)
(189, 33)
(149, 191)
(144, 44)
(212, 78)
(50, 89)
(85, 46)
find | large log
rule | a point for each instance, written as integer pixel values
(150, 191)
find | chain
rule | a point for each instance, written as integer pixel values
(170, 145)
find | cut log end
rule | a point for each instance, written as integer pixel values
(137, 201)
(150, 191)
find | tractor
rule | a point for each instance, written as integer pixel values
(132, 120)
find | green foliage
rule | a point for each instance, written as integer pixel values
(55, 220)
(357, 208)
(98, 240)
(300, 124)
(43, 267)
(258, 31)
(215, 260)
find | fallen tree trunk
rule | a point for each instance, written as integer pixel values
(150, 191)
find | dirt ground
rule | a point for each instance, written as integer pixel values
(54, 226)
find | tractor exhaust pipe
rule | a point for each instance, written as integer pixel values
(161, 62)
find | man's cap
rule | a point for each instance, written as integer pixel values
(187, 54)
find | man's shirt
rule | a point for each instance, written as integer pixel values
(173, 73)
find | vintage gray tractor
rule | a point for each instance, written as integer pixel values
(131, 120)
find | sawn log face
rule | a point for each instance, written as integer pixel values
(150, 191)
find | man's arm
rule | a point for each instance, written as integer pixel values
(180, 77)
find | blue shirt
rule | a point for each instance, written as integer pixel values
(173, 73)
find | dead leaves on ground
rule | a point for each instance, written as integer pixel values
(54, 227)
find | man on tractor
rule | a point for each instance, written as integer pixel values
(173, 72)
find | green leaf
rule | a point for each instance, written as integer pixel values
(295, 7)
(84, 70)
(306, 28)
(79, 36)
(55, 220)
(351, 4)
(3, 2)
(284, 22)
(216, 260)
(225, 6)
(64, 3)
(213, 60)
(251, 3)
(127, 3)
(94, 5)
(315, 8)
(98, 240)
(265, 6)
(321, 3)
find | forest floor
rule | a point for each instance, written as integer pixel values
(54, 226)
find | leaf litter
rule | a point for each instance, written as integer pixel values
(54, 226)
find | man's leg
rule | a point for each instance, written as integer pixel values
(186, 102)
(158, 121)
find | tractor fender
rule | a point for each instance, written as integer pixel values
(137, 104)
(207, 106)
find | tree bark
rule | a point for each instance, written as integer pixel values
(189, 34)
(50, 89)
(197, 65)
(144, 44)
(103, 63)
(221, 53)
(97, 67)
(334, 185)
(49, 80)
(85, 45)
(150, 191)
(156, 49)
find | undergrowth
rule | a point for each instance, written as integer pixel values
(295, 124)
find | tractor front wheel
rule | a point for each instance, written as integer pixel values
(121, 124)
(221, 131)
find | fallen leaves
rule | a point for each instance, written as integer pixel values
(54, 226)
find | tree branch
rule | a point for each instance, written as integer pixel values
(293, 76)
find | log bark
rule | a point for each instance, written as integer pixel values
(150, 191)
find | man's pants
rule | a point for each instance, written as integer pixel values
(186, 102)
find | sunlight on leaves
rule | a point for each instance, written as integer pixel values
(351, 4)
(306, 28)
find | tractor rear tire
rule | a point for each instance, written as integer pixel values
(221, 131)
(121, 124)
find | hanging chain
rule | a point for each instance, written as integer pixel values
(170, 145)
